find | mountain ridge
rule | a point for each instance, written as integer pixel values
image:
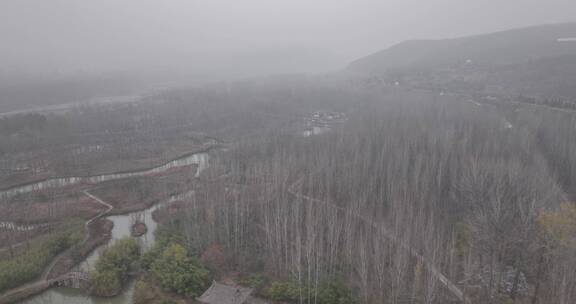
(504, 47)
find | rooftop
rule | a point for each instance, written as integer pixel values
(225, 294)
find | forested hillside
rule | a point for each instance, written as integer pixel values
(536, 61)
(507, 47)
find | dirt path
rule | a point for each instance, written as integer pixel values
(22, 292)
(101, 202)
(391, 236)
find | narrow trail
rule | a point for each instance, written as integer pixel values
(101, 202)
(44, 280)
(8, 296)
(457, 292)
(46, 274)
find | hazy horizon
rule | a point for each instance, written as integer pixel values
(222, 39)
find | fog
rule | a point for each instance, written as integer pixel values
(287, 151)
(220, 39)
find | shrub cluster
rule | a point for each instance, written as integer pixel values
(179, 272)
(330, 292)
(113, 267)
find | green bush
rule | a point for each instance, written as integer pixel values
(165, 235)
(463, 238)
(255, 281)
(286, 291)
(144, 293)
(169, 233)
(150, 256)
(334, 292)
(105, 283)
(330, 292)
(113, 266)
(177, 271)
(30, 265)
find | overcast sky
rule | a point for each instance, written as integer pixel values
(245, 36)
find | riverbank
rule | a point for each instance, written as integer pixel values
(139, 193)
(98, 158)
(66, 202)
(98, 232)
(124, 216)
(29, 269)
(65, 181)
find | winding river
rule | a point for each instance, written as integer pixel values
(122, 228)
(75, 180)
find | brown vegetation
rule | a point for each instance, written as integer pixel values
(138, 229)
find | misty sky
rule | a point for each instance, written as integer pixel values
(240, 36)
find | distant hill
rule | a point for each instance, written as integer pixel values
(507, 47)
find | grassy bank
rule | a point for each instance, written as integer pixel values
(30, 265)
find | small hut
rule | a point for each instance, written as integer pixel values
(226, 294)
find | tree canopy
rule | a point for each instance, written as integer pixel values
(179, 272)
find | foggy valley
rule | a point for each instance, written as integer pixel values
(320, 152)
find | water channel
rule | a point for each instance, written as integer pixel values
(74, 180)
(122, 228)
